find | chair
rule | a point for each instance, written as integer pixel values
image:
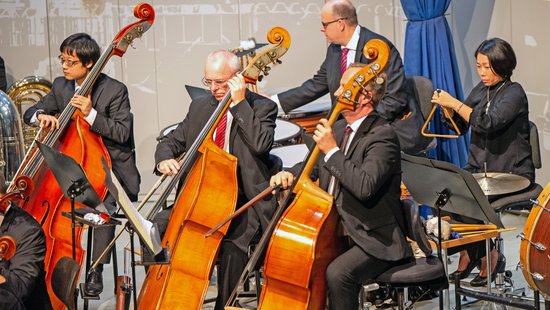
(519, 201)
(64, 279)
(523, 200)
(428, 271)
(422, 89)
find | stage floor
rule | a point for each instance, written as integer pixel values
(511, 250)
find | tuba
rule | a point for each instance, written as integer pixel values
(25, 93)
(12, 150)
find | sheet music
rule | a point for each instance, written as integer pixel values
(142, 227)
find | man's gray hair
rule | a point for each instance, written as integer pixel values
(222, 55)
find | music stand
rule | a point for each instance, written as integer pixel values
(442, 185)
(73, 182)
(196, 92)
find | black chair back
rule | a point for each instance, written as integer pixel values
(64, 279)
(535, 147)
(415, 229)
(423, 88)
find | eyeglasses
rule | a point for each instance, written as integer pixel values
(69, 63)
(209, 83)
(325, 25)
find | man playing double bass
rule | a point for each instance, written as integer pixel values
(364, 176)
(247, 134)
(107, 110)
(22, 277)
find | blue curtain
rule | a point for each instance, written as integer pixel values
(429, 51)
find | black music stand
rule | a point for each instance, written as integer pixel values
(196, 92)
(73, 182)
(442, 185)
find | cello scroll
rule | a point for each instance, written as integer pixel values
(7, 248)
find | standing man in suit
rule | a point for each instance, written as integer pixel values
(249, 136)
(22, 277)
(107, 110)
(347, 39)
(364, 176)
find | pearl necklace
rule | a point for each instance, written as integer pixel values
(496, 92)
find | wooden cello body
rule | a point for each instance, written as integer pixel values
(306, 238)
(74, 139)
(209, 195)
(534, 251)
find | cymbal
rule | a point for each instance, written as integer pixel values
(496, 183)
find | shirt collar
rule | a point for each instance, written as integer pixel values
(355, 125)
(352, 44)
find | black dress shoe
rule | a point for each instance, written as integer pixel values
(500, 266)
(463, 274)
(94, 283)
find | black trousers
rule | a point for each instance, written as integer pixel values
(232, 262)
(103, 235)
(345, 276)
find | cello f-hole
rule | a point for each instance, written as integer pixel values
(44, 203)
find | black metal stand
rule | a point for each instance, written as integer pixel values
(133, 260)
(74, 191)
(496, 298)
(442, 199)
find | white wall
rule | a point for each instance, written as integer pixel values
(171, 54)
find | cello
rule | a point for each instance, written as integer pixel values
(534, 255)
(306, 233)
(74, 139)
(202, 202)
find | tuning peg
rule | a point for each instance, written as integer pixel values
(278, 61)
(260, 78)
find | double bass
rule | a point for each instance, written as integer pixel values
(202, 202)
(534, 249)
(306, 234)
(73, 138)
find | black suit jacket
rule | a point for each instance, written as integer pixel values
(24, 272)
(251, 138)
(114, 123)
(370, 177)
(397, 101)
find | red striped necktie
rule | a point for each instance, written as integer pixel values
(220, 131)
(344, 59)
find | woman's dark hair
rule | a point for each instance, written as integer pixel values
(501, 56)
(87, 50)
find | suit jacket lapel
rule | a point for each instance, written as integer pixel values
(360, 45)
(68, 92)
(361, 131)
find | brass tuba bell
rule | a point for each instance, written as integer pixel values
(25, 93)
(12, 150)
